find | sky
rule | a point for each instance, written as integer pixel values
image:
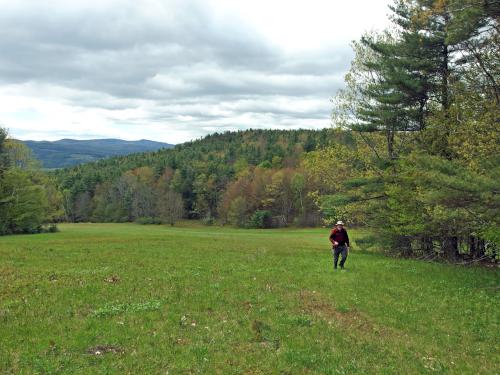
(174, 70)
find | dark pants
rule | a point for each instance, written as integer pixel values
(339, 250)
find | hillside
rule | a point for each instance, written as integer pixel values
(69, 152)
(208, 174)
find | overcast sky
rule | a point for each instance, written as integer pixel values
(174, 70)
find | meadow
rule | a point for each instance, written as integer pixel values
(132, 299)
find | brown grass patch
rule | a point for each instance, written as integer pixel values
(247, 305)
(316, 305)
(182, 341)
(112, 279)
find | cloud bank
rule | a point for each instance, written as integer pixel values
(169, 70)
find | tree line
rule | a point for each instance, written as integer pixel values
(29, 199)
(252, 178)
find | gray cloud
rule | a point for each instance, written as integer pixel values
(176, 63)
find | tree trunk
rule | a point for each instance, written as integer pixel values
(450, 248)
(421, 115)
(481, 247)
(445, 71)
(390, 144)
(444, 81)
(473, 247)
(427, 246)
(403, 244)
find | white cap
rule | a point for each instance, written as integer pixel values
(340, 222)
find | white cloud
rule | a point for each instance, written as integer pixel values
(308, 25)
(173, 70)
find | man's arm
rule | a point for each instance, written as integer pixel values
(332, 233)
(347, 239)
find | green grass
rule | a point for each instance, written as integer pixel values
(125, 298)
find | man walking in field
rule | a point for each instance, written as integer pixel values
(340, 241)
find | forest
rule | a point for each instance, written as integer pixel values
(29, 199)
(252, 178)
(413, 153)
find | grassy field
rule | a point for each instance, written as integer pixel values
(124, 298)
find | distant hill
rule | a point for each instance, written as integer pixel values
(70, 152)
(201, 171)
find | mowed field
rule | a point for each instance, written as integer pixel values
(132, 299)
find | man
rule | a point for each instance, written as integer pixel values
(340, 241)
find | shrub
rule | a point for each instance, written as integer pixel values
(147, 220)
(260, 219)
(51, 228)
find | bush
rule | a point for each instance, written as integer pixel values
(51, 228)
(147, 220)
(260, 219)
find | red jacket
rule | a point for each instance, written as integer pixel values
(339, 236)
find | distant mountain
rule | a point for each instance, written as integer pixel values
(69, 152)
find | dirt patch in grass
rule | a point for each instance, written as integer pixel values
(8, 272)
(247, 305)
(112, 279)
(316, 305)
(357, 325)
(103, 349)
(182, 341)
